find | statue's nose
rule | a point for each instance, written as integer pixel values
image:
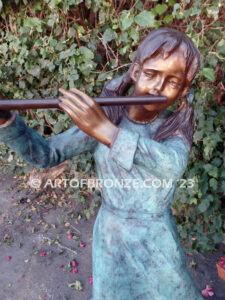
(157, 88)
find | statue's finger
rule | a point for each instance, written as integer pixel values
(74, 106)
(83, 95)
(75, 98)
(74, 115)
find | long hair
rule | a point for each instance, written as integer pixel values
(165, 41)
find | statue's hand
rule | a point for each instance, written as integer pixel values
(88, 116)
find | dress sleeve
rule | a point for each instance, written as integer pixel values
(40, 152)
(167, 159)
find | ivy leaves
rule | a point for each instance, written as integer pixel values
(145, 19)
(33, 23)
(109, 35)
(208, 73)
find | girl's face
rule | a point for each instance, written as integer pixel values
(161, 76)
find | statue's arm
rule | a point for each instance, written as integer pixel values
(167, 159)
(41, 152)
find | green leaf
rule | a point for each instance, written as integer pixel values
(193, 201)
(33, 22)
(218, 238)
(35, 71)
(58, 128)
(4, 48)
(221, 47)
(126, 20)
(88, 54)
(77, 285)
(208, 167)
(214, 172)
(203, 206)
(171, 2)
(109, 35)
(209, 74)
(212, 60)
(67, 53)
(145, 19)
(213, 183)
(71, 32)
(161, 8)
(216, 162)
(213, 11)
(168, 19)
(175, 8)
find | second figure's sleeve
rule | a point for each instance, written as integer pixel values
(41, 152)
(167, 159)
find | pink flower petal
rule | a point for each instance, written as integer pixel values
(61, 266)
(42, 254)
(9, 257)
(74, 263)
(207, 292)
(70, 236)
(90, 279)
(74, 271)
(82, 245)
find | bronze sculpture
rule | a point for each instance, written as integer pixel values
(136, 249)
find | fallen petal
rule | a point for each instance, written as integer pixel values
(74, 271)
(43, 254)
(70, 236)
(82, 245)
(207, 292)
(90, 279)
(74, 263)
(9, 257)
(61, 266)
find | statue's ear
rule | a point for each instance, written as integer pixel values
(185, 90)
(134, 71)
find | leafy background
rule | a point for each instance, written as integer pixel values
(52, 43)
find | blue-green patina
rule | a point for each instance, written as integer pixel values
(137, 253)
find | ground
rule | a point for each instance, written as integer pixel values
(36, 252)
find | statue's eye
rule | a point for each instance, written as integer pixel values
(174, 84)
(149, 74)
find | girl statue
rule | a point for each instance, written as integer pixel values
(137, 253)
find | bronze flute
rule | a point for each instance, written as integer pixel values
(103, 101)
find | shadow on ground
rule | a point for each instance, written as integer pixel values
(34, 235)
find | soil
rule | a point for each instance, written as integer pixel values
(34, 235)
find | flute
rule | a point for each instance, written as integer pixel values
(103, 101)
